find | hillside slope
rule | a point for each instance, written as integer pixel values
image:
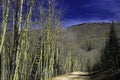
(93, 34)
(87, 42)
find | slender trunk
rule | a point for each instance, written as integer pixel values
(5, 13)
(17, 42)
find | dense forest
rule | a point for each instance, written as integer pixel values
(35, 46)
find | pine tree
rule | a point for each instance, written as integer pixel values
(111, 50)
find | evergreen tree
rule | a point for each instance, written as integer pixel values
(111, 51)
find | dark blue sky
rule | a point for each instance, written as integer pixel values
(80, 11)
(83, 11)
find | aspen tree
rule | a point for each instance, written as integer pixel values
(5, 14)
(18, 54)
